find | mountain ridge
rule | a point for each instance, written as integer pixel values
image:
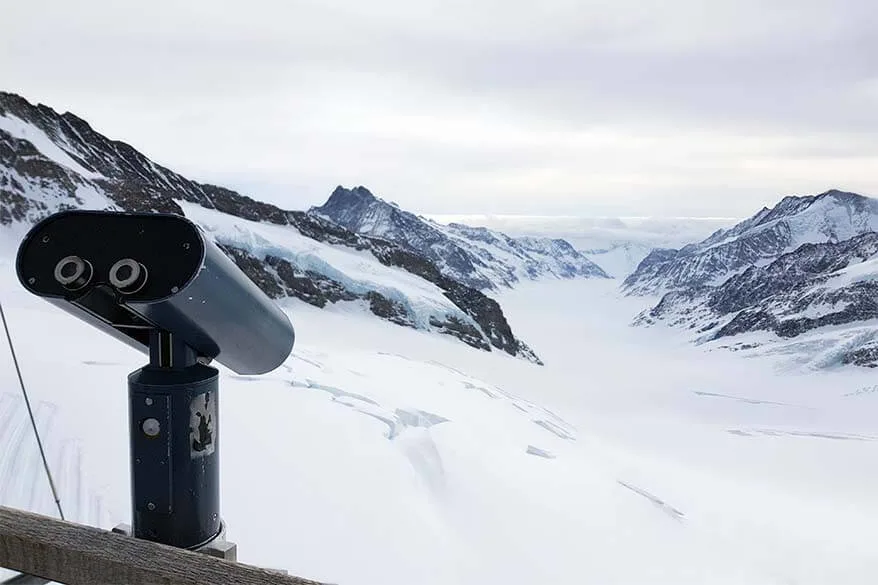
(830, 216)
(819, 294)
(480, 257)
(50, 162)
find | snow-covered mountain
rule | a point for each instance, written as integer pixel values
(814, 287)
(819, 301)
(382, 455)
(50, 162)
(479, 257)
(833, 216)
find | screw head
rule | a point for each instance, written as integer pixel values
(150, 506)
(31, 280)
(186, 246)
(151, 427)
(45, 239)
(148, 401)
(175, 290)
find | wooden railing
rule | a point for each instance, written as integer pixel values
(81, 555)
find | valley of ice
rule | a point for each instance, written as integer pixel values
(381, 454)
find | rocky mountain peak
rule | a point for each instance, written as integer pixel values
(842, 195)
(482, 258)
(793, 205)
(342, 197)
(362, 212)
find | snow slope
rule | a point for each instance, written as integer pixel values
(378, 455)
(20, 129)
(44, 187)
(357, 271)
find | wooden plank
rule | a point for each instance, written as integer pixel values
(81, 555)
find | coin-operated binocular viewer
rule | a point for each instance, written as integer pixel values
(156, 283)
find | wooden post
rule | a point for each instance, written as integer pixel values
(81, 555)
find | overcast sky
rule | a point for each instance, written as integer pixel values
(593, 107)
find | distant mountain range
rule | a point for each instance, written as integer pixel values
(51, 161)
(476, 256)
(808, 266)
(616, 244)
(801, 273)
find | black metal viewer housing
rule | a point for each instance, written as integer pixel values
(155, 282)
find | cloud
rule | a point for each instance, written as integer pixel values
(569, 106)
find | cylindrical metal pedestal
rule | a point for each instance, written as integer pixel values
(175, 455)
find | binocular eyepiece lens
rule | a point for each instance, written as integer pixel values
(128, 276)
(73, 272)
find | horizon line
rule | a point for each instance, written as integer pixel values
(566, 216)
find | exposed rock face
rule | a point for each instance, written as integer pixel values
(478, 257)
(865, 356)
(51, 161)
